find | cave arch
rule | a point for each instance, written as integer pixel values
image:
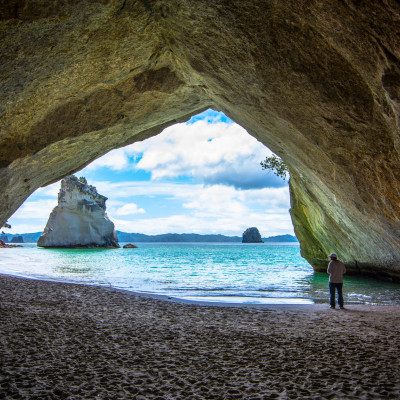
(316, 83)
(199, 180)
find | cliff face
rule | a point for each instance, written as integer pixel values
(79, 219)
(318, 82)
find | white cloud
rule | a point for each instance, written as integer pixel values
(208, 197)
(209, 209)
(115, 160)
(123, 190)
(202, 209)
(129, 209)
(38, 209)
(214, 153)
(234, 225)
(26, 227)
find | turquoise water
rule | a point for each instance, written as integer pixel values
(271, 273)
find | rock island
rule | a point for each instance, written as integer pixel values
(252, 235)
(79, 219)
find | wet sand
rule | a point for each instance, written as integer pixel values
(68, 341)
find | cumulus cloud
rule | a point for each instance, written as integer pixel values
(206, 196)
(217, 152)
(38, 209)
(30, 226)
(231, 225)
(208, 209)
(123, 190)
(32, 216)
(49, 191)
(115, 160)
(181, 208)
(129, 209)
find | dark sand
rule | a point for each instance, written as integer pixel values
(66, 341)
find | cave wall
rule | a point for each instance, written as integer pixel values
(318, 82)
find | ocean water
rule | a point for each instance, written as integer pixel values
(272, 273)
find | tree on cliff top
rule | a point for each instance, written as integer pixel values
(7, 226)
(276, 165)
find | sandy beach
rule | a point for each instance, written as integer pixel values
(68, 341)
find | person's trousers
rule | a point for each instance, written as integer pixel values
(333, 287)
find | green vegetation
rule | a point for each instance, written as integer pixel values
(81, 179)
(6, 226)
(277, 165)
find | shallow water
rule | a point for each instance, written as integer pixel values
(272, 273)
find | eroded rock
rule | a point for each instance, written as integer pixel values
(79, 219)
(318, 82)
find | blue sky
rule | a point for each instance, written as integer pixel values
(202, 176)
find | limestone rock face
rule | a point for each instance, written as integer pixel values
(251, 235)
(79, 219)
(316, 81)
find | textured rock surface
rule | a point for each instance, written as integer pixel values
(317, 81)
(79, 219)
(251, 235)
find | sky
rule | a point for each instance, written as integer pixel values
(202, 176)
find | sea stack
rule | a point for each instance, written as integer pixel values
(79, 219)
(251, 235)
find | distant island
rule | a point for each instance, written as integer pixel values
(164, 238)
(281, 238)
(252, 235)
(27, 237)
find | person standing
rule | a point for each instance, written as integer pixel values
(336, 269)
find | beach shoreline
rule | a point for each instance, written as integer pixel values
(78, 341)
(279, 305)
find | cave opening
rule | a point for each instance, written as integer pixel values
(201, 176)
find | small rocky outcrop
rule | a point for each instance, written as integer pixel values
(251, 235)
(4, 245)
(130, 246)
(79, 219)
(17, 239)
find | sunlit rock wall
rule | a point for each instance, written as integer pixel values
(79, 219)
(318, 82)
